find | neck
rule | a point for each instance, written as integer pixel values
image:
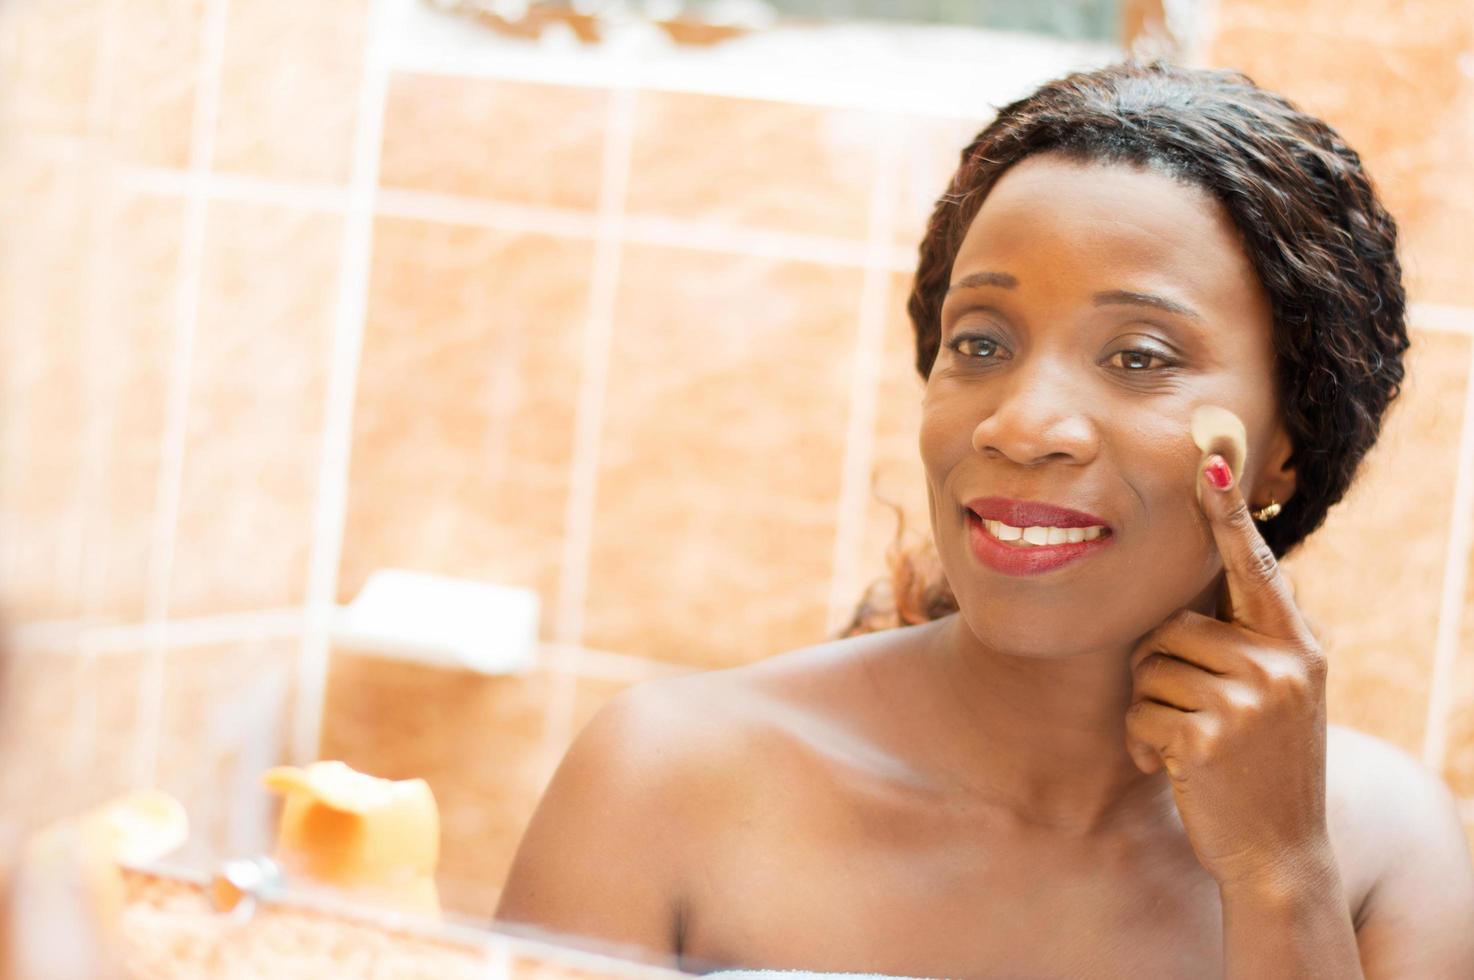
(1044, 739)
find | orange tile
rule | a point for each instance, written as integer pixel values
(1381, 648)
(257, 388)
(48, 58)
(226, 718)
(68, 734)
(83, 510)
(132, 358)
(44, 380)
(108, 690)
(1437, 254)
(41, 577)
(508, 141)
(36, 784)
(477, 741)
(1384, 21)
(467, 388)
(151, 93)
(289, 88)
(759, 164)
(1406, 108)
(719, 468)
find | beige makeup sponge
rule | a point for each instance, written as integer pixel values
(1217, 430)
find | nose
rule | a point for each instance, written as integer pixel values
(1039, 416)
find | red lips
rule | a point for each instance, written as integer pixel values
(1028, 513)
(1013, 558)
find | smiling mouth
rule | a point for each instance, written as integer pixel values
(1038, 535)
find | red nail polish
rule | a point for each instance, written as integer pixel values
(1218, 473)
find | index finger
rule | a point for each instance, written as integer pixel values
(1258, 595)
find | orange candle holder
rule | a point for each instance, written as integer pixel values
(378, 839)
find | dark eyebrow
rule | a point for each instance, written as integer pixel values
(973, 280)
(1129, 298)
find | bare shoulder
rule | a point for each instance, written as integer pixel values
(628, 808)
(699, 738)
(1379, 791)
(600, 863)
(673, 774)
(1396, 825)
(678, 740)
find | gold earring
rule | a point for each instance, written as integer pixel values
(1268, 511)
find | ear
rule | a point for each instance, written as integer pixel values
(1275, 474)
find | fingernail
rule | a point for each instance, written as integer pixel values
(1218, 473)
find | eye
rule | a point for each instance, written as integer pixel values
(1137, 360)
(974, 346)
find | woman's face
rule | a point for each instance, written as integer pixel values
(1092, 308)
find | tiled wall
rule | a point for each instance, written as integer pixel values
(274, 314)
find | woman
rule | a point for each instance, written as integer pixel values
(1098, 758)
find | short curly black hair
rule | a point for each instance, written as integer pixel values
(1321, 242)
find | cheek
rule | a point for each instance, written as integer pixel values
(1164, 468)
(944, 439)
(945, 435)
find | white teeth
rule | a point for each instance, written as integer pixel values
(1003, 532)
(1041, 534)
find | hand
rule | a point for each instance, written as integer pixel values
(1235, 712)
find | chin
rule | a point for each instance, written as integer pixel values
(1005, 632)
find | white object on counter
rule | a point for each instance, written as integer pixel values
(442, 621)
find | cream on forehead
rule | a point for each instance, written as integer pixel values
(1217, 430)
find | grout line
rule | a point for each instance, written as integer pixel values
(61, 638)
(859, 452)
(583, 661)
(1442, 317)
(598, 333)
(760, 243)
(176, 425)
(583, 476)
(453, 209)
(164, 182)
(206, 630)
(331, 513)
(1455, 580)
(60, 149)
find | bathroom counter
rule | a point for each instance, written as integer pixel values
(170, 929)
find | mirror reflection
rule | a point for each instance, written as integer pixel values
(915, 489)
